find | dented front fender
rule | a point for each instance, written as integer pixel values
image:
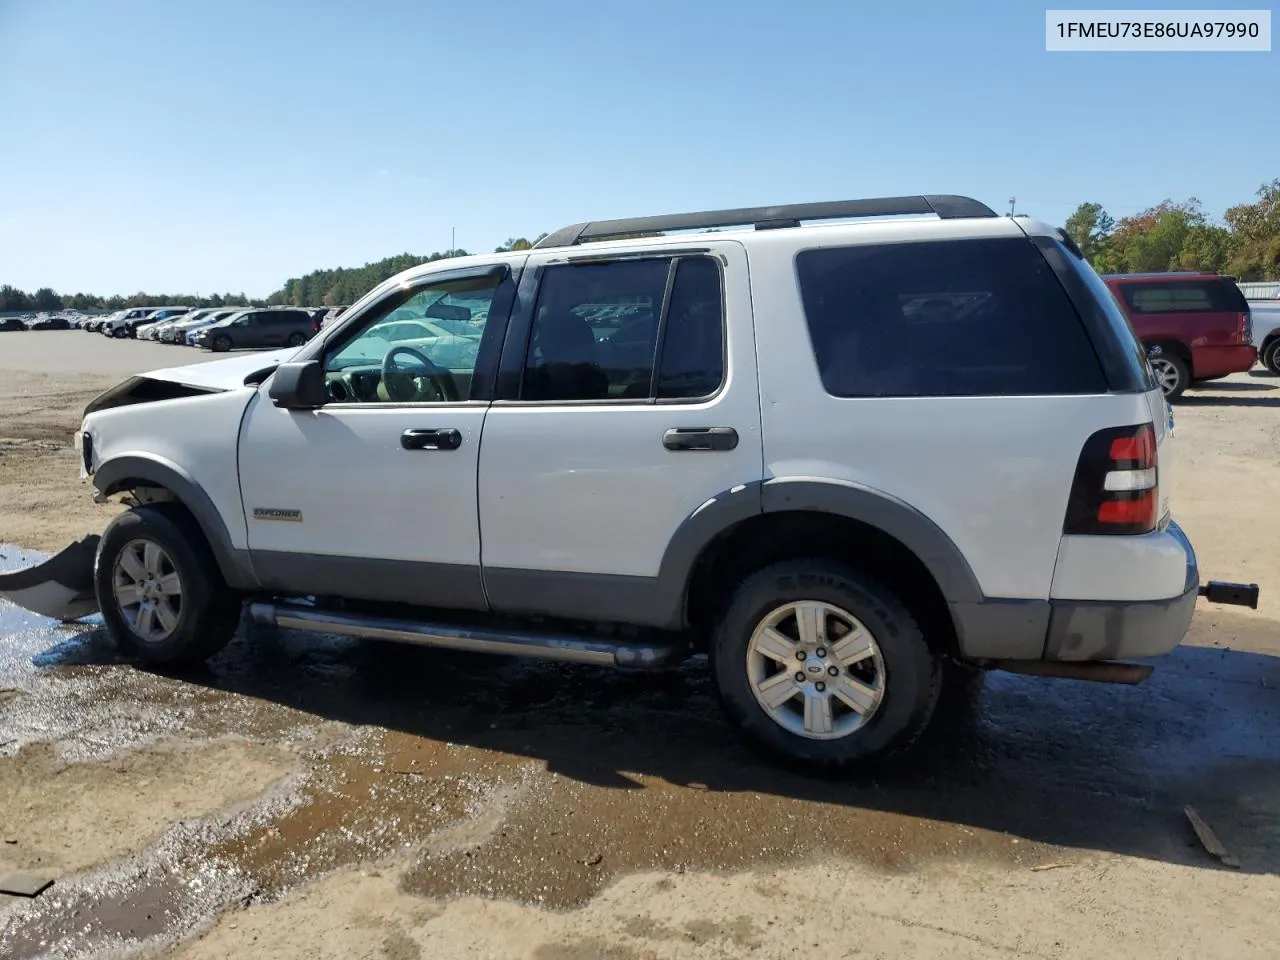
(61, 587)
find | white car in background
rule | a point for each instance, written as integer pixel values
(184, 332)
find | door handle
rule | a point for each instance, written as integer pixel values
(700, 438)
(446, 439)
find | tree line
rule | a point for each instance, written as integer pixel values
(320, 288)
(1181, 236)
(1168, 236)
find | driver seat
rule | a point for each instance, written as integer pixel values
(567, 365)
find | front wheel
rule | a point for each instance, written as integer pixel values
(220, 344)
(1271, 357)
(823, 667)
(1171, 373)
(161, 594)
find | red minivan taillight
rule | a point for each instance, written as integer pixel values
(1115, 490)
(1246, 327)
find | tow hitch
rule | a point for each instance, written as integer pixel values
(61, 587)
(1236, 594)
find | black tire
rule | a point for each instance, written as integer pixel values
(296, 339)
(1271, 356)
(208, 611)
(1179, 374)
(119, 333)
(912, 672)
(220, 344)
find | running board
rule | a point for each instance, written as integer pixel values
(1096, 671)
(544, 645)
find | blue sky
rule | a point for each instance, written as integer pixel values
(197, 146)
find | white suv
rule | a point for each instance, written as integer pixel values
(837, 457)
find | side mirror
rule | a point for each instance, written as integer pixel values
(299, 386)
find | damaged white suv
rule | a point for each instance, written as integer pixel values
(836, 446)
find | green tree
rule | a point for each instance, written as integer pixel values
(1255, 229)
(46, 299)
(13, 300)
(1090, 227)
(1152, 241)
(1206, 247)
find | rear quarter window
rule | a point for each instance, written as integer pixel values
(1183, 296)
(948, 318)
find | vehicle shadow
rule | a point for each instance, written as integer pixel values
(1235, 385)
(1194, 400)
(1080, 765)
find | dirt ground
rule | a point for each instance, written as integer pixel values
(313, 797)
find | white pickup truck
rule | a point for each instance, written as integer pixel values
(1266, 332)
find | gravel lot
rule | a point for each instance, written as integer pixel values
(310, 796)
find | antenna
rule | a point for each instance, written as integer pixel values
(1012, 204)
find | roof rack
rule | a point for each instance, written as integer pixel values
(946, 206)
(1163, 273)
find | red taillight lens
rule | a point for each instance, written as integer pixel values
(1115, 487)
(1141, 511)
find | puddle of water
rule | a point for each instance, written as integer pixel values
(374, 796)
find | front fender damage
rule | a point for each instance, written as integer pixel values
(61, 587)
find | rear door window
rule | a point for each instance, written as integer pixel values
(944, 318)
(599, 328)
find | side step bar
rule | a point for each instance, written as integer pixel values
(544, 645)
(1096, 671)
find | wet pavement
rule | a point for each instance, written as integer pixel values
(542, 783)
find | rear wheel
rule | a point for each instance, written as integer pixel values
(296, 339)
(1171, 373)
(162, 596)
(823, 667)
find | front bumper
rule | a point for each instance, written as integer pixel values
(61, 587)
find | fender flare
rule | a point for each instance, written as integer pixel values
(124, 472)
(937, 551)
(897, 518)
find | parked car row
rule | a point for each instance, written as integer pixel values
(217, 328)
(40, 321)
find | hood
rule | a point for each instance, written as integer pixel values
(221, 374)
(191, 380)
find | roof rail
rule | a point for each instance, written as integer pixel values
(946, 206)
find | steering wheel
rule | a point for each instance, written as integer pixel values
(399, 383)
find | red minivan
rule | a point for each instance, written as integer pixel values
(1195, 326)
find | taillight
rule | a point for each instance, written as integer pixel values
(1246, 327)
(1115, 487)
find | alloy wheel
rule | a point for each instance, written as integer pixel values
(1166, 374)
(816, 670)
(147, 590)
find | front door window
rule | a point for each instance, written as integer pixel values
(419, 348)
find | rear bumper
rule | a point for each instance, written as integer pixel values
(1109, 628)
(1220, 361)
